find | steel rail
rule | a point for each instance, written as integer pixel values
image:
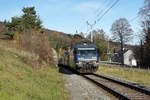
(115, 93)
(137, 87)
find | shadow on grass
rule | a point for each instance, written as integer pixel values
(64, 70)
(4, 37)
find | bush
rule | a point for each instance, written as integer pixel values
(102, 52)
(38, 44)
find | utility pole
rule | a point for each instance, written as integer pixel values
(108, 53)
(141, 54)
(76, 31)
(91, 27)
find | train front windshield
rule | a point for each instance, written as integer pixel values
(87, 54)
(84, 53)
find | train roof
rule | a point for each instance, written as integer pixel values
(84, 44)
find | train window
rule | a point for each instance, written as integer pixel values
(74, 51)
(98, 50)
(86, 52)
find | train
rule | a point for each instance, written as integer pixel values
(83, 57)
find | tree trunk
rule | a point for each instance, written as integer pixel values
(122, 52)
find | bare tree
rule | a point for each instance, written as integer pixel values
(82, 34)
(145, 14)
(122, 32)
(98, 35)
(145, 11)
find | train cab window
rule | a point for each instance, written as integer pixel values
(75, 51)
(86, 52)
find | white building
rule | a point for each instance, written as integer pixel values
(129, 58)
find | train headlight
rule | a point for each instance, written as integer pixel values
(79, 62)
(94, 62)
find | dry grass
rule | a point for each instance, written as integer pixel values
(35, 44)
(38, 44)
(19, 81)
(12, 46)
(135, 75)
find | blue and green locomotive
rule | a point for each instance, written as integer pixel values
(83, 57)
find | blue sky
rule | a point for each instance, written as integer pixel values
(71, 15)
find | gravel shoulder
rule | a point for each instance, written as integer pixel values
(81, 89)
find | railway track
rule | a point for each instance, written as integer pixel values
(122, 90)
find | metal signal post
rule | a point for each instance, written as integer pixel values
(91, 27)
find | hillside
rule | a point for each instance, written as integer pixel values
(2, 29)
(57, 39)
(1, 24)
(63, 40)
(20, 81)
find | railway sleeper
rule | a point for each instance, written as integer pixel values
(87, 68)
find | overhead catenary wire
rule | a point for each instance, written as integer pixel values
(108, 10)
(100, 9)
(134, 18)
(103, 9)
(97, 12)
(105, 1)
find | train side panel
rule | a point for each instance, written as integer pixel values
(72, 60)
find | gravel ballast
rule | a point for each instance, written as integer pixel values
(81, 89)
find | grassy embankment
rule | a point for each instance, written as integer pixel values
(135, 75)
(19, 81)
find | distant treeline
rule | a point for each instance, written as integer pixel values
(28, 32)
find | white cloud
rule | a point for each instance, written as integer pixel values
(86, 7)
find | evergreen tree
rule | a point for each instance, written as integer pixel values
(28, 21)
